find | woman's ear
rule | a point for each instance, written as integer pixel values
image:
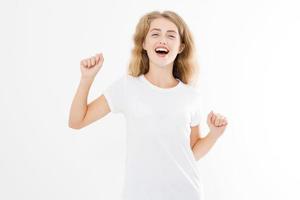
(182, 46)
(144, 45)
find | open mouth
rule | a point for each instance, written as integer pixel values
(161, 51)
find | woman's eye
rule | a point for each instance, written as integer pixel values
(171, 36)
(155, 34)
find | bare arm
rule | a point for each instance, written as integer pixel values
(81, 113)
(203, 145)
(217, 125)
(200, 145)
(79, 105)
(195, 135)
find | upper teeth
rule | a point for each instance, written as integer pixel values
(161, 49)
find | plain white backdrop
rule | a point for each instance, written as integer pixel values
(248, 53)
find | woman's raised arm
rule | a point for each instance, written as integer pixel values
(81, 113)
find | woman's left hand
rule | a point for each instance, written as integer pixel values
(216, 123)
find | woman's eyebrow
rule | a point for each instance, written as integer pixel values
(157, 29)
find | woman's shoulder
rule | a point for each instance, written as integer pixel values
(127, 77)
(130, 78)
(191, 89)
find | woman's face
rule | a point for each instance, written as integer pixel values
(162, 42)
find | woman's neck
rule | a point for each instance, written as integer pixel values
(161, 76)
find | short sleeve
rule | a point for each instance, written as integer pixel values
(115, 95)
(196, 113)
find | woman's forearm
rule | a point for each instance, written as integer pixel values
(203, 145)
(79, 104)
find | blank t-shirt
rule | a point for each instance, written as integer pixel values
(160, 164)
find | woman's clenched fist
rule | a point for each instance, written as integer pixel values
(90, 66)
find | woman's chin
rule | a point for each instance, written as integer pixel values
(161, 61)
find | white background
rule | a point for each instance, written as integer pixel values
(249, 57)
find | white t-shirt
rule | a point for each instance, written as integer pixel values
(160, 164)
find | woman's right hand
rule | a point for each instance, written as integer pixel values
(90, 66)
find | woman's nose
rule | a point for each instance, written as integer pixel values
(162, 41)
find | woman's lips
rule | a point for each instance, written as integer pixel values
(161, 55)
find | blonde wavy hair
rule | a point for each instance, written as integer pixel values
(185, 66)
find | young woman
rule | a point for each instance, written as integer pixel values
(161, 107)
